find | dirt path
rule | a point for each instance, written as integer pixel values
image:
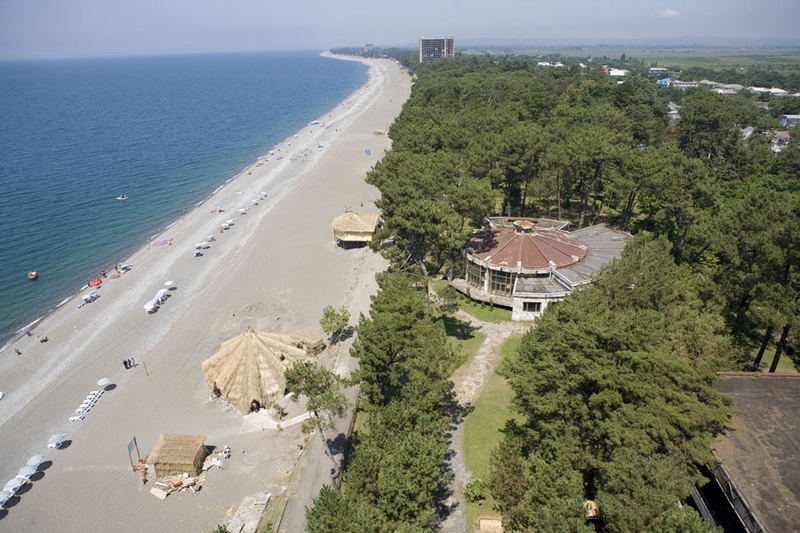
(468, 380)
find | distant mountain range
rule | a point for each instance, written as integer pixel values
(499, 43)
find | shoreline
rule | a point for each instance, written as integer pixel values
(19, 333)
(274, 270)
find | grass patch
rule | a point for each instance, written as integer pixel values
(482, 311)
(490, 411)
(785, 364)
(465, 340)
(270, 514)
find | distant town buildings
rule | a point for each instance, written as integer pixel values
(678, 84)
(780, 141)
(723, 88)
(368, 46)
(616, 72)
(773, 91)
(436, 47)
(549, 64)
(790, 121)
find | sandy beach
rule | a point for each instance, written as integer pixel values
(274, 269)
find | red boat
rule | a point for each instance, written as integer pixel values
(33, 275)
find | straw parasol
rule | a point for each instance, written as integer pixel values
(355, 227)
(175, 454)
(250, 367)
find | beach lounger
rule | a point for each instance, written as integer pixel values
(96, 392)
(76, 418)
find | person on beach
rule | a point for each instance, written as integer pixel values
(133, 362)
(28, 333)
(17, 350)
(126, 364)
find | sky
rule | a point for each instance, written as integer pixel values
(83, 28)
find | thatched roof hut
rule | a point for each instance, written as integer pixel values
(308, 342)
(355, 227)
(175, 454)
(250, 367)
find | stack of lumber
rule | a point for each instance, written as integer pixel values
(169, 484)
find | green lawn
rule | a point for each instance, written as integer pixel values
(483, 312)
(785, 364)
(482, 428)
(465, 340)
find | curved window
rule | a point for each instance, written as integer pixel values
(501, 283)
(475, 275)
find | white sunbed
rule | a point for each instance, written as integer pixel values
(76, 418)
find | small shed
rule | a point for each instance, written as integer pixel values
(355, 227)
(175, 454)
(490, 522)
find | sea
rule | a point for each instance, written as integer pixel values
(165, 131)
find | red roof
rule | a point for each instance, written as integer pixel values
(535, 250)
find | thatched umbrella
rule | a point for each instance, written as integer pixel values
(250, 367)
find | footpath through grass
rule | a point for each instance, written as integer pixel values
(464, 340)
(482, 431)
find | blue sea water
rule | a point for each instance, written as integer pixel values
(166, 131)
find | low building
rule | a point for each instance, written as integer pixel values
(657, 71)
(674, 112)
(790, 121)
(664, 82)
(526, 264)
(617, 72)
(678, 84)
(780, 141)
(757, 471)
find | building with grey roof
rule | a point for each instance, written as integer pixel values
(525, 264)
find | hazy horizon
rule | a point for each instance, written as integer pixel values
(39, 29)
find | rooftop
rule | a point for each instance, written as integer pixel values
(760, 450)
(603, 244)
(526, 247)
